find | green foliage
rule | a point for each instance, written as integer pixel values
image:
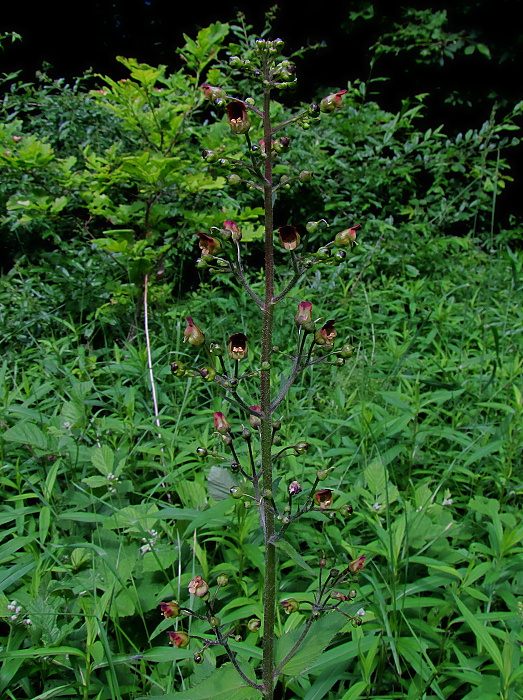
(106, 508)
(422, 34)
(425, 440)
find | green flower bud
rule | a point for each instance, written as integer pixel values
(236, 492)
(207, 374)
(305, 176)
(322, 474)
(347, 351)
(301, 447)
(198, 658)
(215, 621)
(234, 179)
(222, 580)
(254, 624)
(178, 369)
(312, 226)
(323, 253)
(209, 156)
(202, 452)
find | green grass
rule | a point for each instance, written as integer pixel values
(104, 514)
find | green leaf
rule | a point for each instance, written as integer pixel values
(26, 433)
(355, 691)
(95, 482)
(219, 483)
(295, 556)
(481, 632)
(223, 684)
(320, 634)
(103, 459)
(376, 477)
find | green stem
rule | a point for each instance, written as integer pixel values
(269, 588)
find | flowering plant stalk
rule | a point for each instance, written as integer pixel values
(221, 252)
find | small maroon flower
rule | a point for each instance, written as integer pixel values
(238, 118)
(255, 421)
(290, 605)
(192, 334)
(171, 609)
(347, 237)
(234, 229)
(198, 587)
(303, 317)
(289, 237)
(211, 92)
(237, 347)
(179, 639)
(323, 498)
(357, 564)
(221, 424)
(332, 102)
(326, 334)
(294, 488)
(208, 244)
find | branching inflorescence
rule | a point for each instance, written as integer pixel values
(221, 252)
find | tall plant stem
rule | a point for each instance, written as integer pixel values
(269, 588)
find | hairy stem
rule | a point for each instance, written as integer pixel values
(269, 589)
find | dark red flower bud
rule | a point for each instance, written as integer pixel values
(290, 605)
(332, 102)
(234, 229)
(323, 498)
(179, 639)
(192, 334)
(208, 244)
(304, 315)
(347, 237)
(238, 118)
(171, 609)
(237, 347)
(255, 421)
(282, 144)
(289, 237)
(294, 488)
(326, 334)
(262, 145)
(221, 424)
(357, 564)
(210, 92)
(198, 587)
